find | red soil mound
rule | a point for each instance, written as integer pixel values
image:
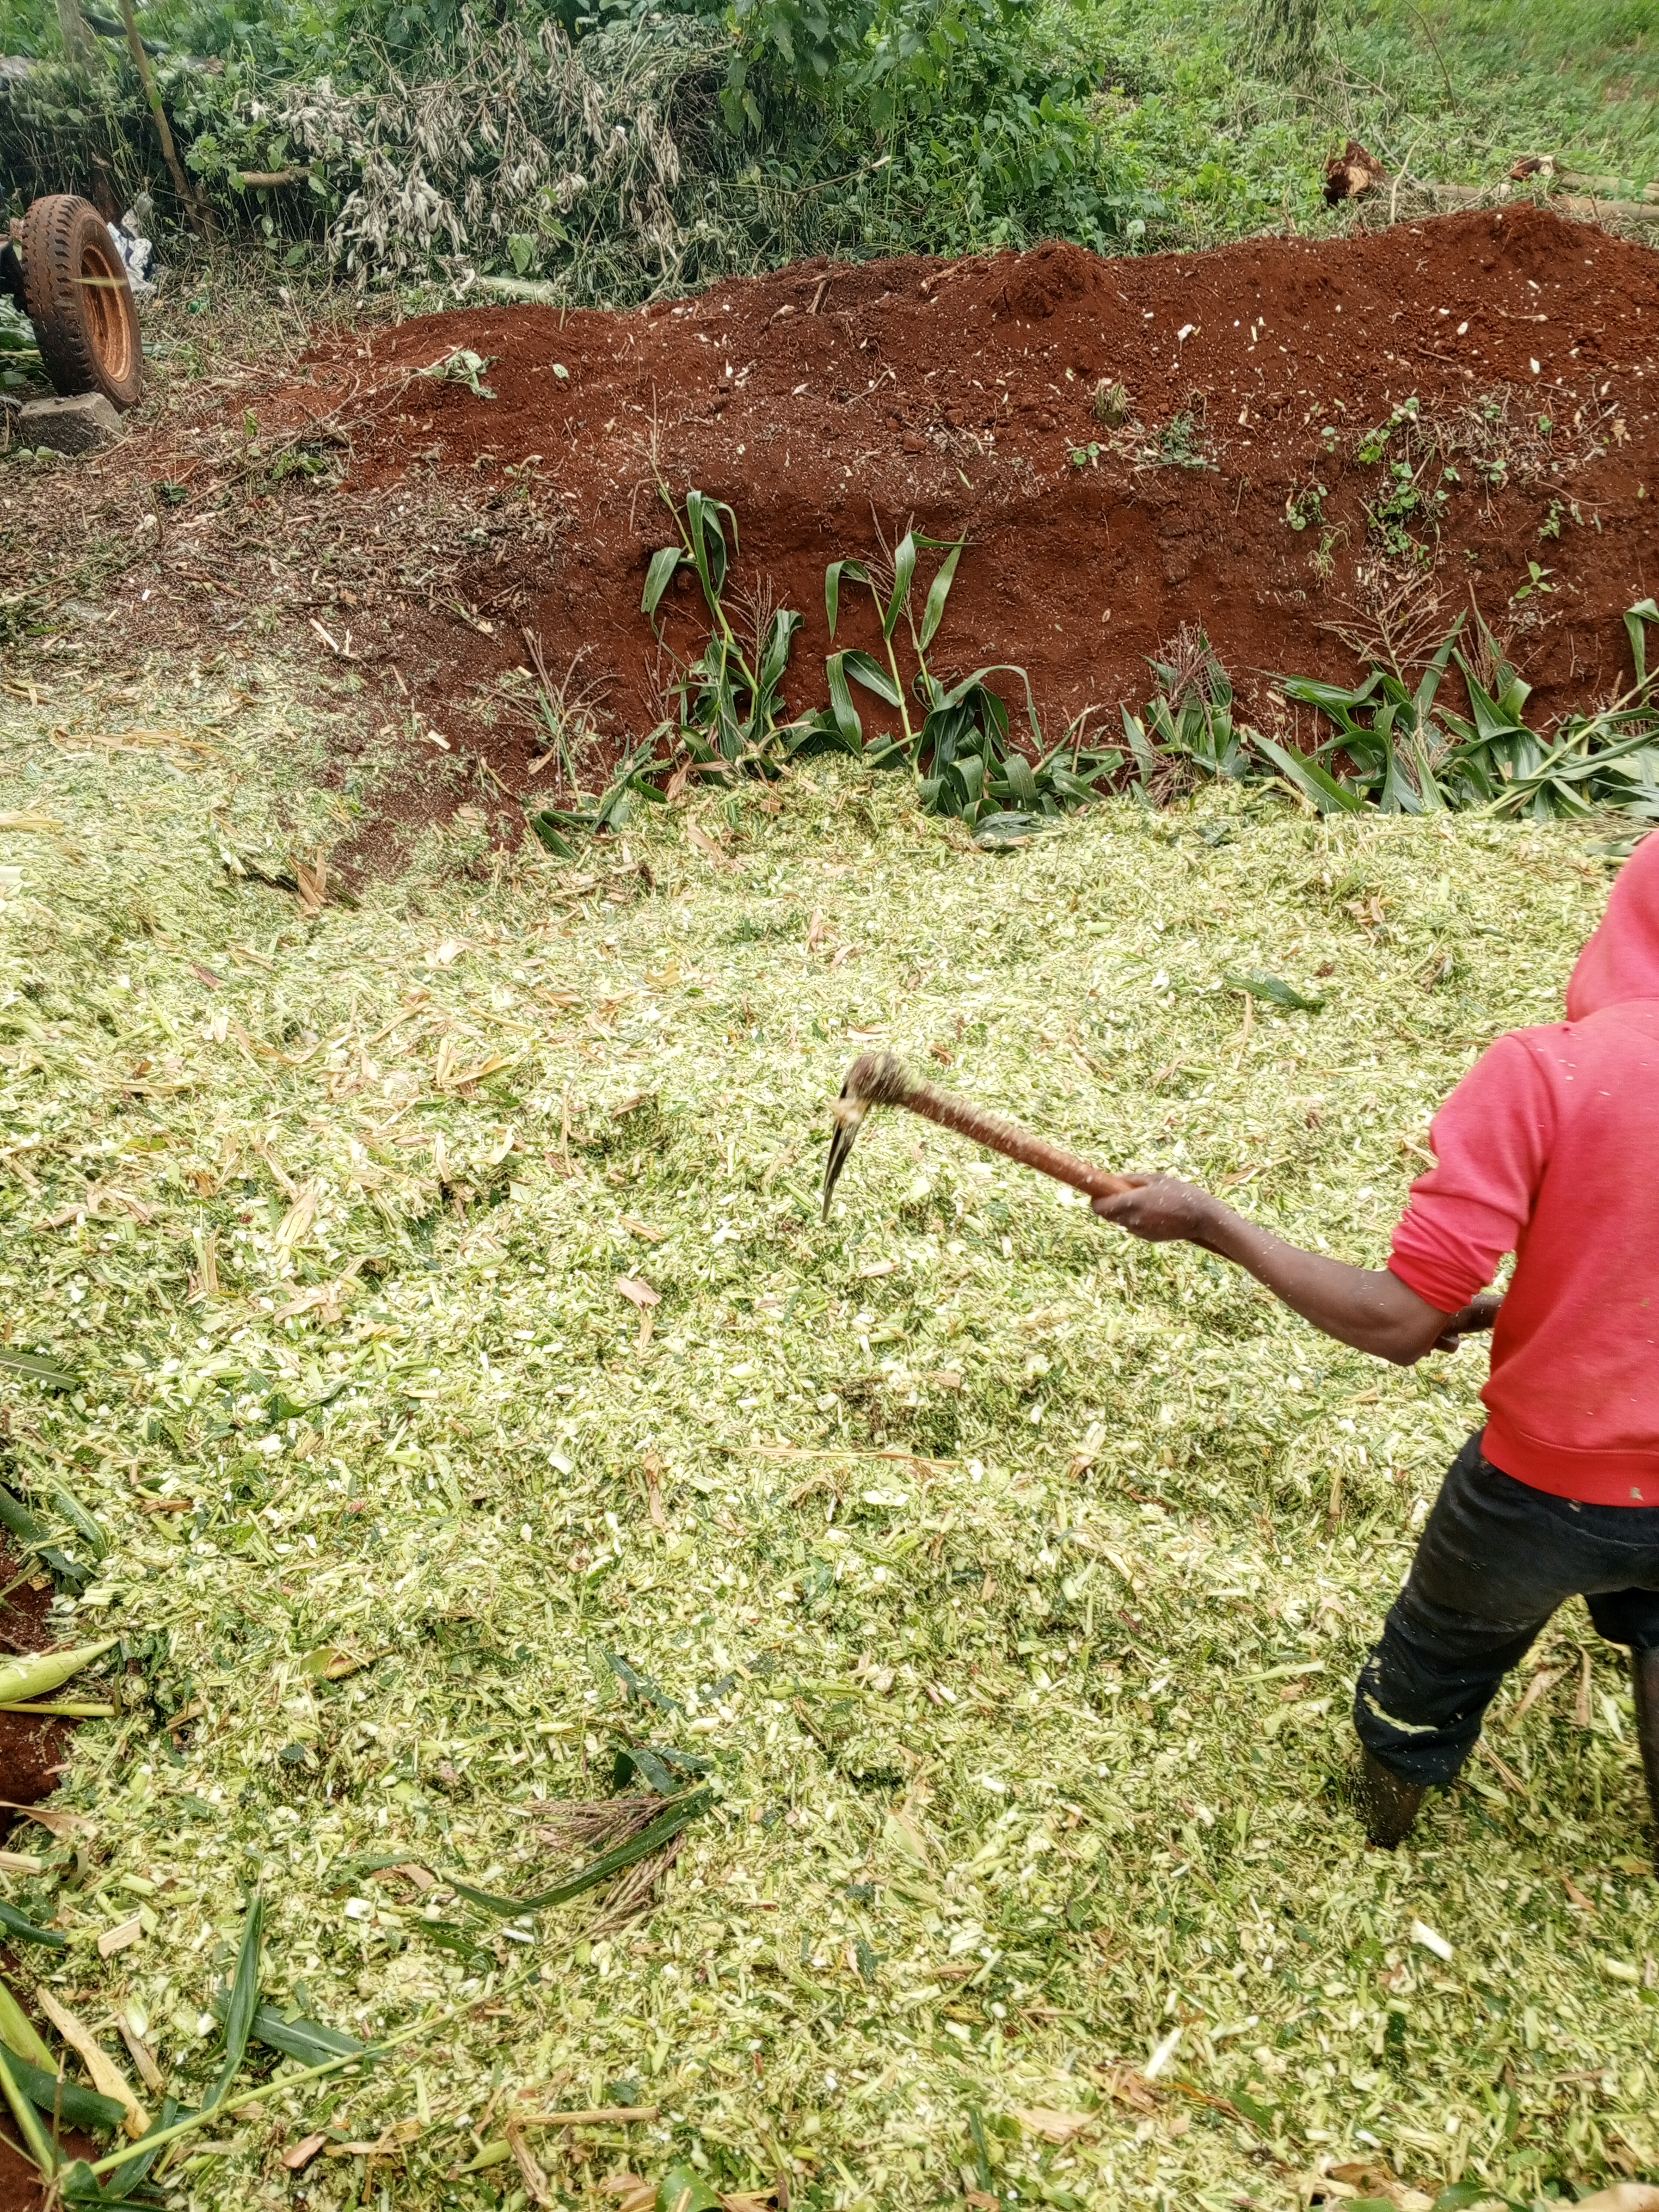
(822, 400)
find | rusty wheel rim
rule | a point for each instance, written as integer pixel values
(108, 325)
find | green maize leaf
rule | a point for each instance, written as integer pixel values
(79, 2107)
(1022, 784)
(40, 1370)
(1430, 682)
(1398, 794)
(308, 2040)
(1259, 2115)
(864, 669)
(494, 2154)
(25, 1931)
(1493, 724)
(842, 712)
(780, 642)
(349, 1872)
(1330, 698)
(614, 811)
(1276, 992)
(1075, 790)
(545, 825)
(20, 2035)
(702, 516)
(1163, 730)
(682, 2189)
(697, 745)
(854, 572)
(77, 1516)
(16, 1516)
(886, 752)
(657, 577)
(977, 689)
(678, 1813)
(1644, 611)
(821, 733)
(244, 2001)
(1315, 782)
(35, 2139)
(997, 832)
(38, 1674)
(904, 570)
(458, 1942)
(657, 1766)
(640, 1685)
(1140, 748)
(934, 613)
(80, 2186)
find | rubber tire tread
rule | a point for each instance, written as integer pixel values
(54, 231)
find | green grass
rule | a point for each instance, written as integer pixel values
(1009, 1702)
(1458, 91)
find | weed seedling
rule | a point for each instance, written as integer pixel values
(1180, 444)
(462, 366)
(1111, 404)
(1305, 505)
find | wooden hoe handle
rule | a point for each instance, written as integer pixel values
(879, 1079)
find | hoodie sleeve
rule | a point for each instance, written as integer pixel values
(1492, 1140)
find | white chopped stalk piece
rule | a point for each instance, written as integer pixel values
(1430, 1940)
(1161, 2057)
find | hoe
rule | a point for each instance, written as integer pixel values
(879, 1079)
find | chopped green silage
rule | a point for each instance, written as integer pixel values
(1009, 1576)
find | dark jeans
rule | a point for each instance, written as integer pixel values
(1495, 1560)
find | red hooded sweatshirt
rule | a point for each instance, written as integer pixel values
(1549, 1148)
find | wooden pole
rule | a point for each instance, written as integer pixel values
(79, 44)
(200, 217)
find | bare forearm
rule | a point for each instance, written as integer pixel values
(1369, 1307)
(1366, 1307)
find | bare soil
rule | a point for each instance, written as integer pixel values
(833, 405)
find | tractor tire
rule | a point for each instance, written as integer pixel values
(77, 297)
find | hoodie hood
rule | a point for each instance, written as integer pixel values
(1621, 960)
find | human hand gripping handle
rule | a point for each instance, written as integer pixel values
(1369, 1307)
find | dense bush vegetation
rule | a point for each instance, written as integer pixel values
(637, 147)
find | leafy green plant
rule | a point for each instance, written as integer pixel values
(1305, 504)
(1187, 729)
(1406, 501)
(1409, 755)
(462, 366)
(730, 695)
(958, 746)
(565, 713)
(556, 827)
(1385, 728)
(1179, 444)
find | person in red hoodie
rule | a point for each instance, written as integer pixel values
(1548, 1148)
